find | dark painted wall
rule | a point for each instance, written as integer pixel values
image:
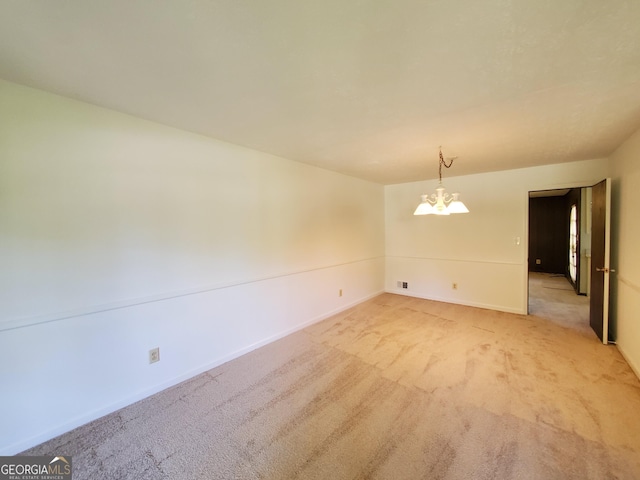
(549, 234)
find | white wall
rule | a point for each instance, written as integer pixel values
(477, 250)
(625, 252)
(118, 235)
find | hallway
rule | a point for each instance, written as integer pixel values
(552, 297)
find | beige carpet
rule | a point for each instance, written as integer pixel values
(552, 297)
(395, 388)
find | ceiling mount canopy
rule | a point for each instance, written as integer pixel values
(441, 203)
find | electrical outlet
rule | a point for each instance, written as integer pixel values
(154, 355)
(399, 284)
(405, 285)
(340, 293)
(454, 286)
(538, 261)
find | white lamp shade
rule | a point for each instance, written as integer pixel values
(425, 208)
(456, 206)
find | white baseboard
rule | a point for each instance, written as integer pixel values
(635, 368)
(500, 308)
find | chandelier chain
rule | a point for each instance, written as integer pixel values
(442, 162)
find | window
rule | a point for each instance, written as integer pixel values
(573, 242)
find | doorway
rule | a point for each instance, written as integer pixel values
(560, 256)
(569, 236)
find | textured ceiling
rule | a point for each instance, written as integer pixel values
(364, 87)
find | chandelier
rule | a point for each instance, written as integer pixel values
(441, 203)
